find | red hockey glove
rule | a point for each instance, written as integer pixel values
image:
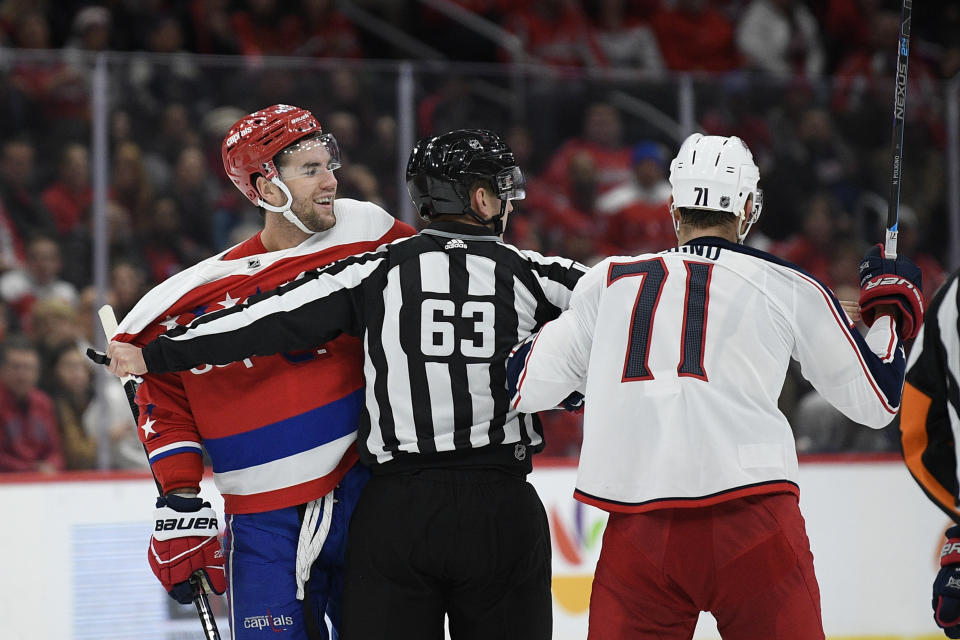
(946, 587)
(891, 282)
(185, 542)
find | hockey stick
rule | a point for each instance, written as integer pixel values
(109, 322)
(896, 144)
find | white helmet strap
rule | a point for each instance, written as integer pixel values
(675, 219)
(741, 231)
(285, 209)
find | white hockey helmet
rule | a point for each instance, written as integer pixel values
(716, 173)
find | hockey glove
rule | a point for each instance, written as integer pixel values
(891, 282)
(946, 587)
(573, 402)
(185, 542)
(518, 358)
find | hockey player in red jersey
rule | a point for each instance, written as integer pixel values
(280, 431)
(682, 355)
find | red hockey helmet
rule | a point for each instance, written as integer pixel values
(251, 144)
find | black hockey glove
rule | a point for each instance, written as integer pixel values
(518, 358)
(573, 402)
(946, 587)
(515, 363)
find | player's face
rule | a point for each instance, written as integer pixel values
(312, 185)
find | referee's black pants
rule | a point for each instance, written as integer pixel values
(471, 544)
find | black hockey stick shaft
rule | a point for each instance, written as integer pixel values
(896, 144)
(109, 321)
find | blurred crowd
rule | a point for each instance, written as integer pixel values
(807, 84)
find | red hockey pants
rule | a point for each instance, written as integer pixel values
(747, 561)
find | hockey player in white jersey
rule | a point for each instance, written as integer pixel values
(682, 357)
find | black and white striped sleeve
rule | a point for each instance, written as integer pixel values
(556, 276)
(301, 314)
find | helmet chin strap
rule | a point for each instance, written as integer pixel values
(741, 219)
(496, 221)
(285, 209)
(675, 220)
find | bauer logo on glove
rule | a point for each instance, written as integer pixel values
(952, 546)
(185, 544)
(895, 281)
(195, 525)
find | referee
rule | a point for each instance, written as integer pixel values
(448, 523)
(930, 435)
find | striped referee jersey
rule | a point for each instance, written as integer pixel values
(438, 314)
(930, 417)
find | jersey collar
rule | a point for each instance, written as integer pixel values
(451, 229)
(711, 241)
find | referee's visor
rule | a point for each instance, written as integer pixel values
(511, 185)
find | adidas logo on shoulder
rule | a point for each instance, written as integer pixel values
(455, 243)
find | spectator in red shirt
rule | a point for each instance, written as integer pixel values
(69, 198)
(637, 216)
(328, 33)
(29, 438)
(864, 83)
(846, 28)
(555, 32)
(57, 88)
(264, 30)
(812, 249)
(602, 141)
(695, 37)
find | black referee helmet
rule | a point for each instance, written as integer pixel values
(443, 169)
